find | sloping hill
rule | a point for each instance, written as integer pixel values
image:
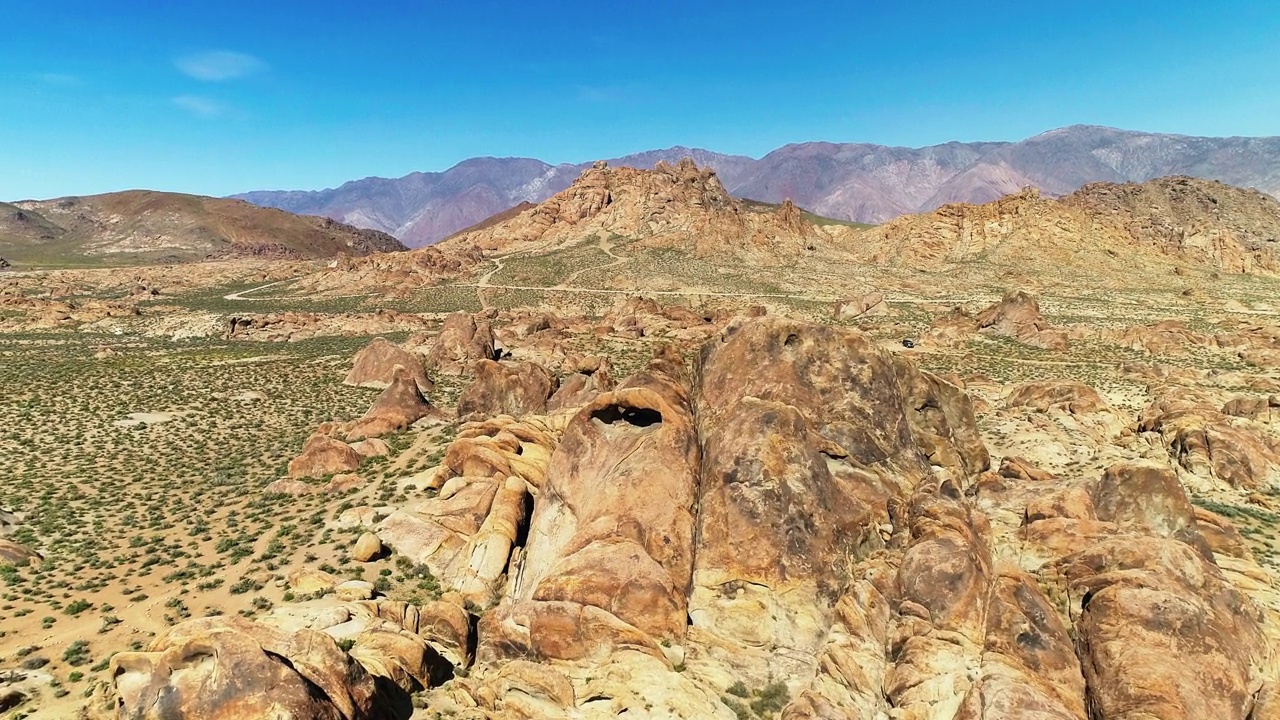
(1233, 228)
(141, 226)
(1103, 229)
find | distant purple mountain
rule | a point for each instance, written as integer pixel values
(847, 181)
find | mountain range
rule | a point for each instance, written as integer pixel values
(848, 181)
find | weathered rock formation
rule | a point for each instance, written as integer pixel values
(225, 668)
(607, 567)
(678, 205)
(506, 388)
(1017, 316)
(324, 455)
(868, 305)
(374, 366)
(461, 342)
(467, 533)
(400, 405)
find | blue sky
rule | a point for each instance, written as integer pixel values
(228, 96)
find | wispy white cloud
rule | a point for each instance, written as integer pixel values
(219, 65)
(59, 79)
(199, 106)
(601, 93)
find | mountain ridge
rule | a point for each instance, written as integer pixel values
(862, 182)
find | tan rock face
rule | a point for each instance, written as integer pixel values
(1140, 597)
(323, 455)
(461, 342)
(611, 545)
(811, 443)
(374, 366)
(1017, 315)
(506, 388)
(1149, 500)
(1212, 445)
(225, 668)
(400, 405)
(942, 421)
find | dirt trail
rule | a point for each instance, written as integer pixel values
(606, 247)
(241, 295)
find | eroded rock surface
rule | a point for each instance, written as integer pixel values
(374, 366)
(506, 388)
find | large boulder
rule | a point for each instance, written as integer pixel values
(227, 668)
(461, 342)
(374, 366)
(1161, 633)
(1017, 315)
(506, 388)
(400, 405)
(323, 455)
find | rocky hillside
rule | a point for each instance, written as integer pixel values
(678, 205)
(138, 227)
(1196, 218)
(849, 181)
(1104, 229)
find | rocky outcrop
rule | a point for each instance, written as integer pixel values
(611, 549)
(461, 342)
(853, 308)
(808, 454)
(323, 455)
(1017, 316)
(400, 405)
(11, 553)
(506, 388)
(225, 668)
(678, 205)
(1197, 220)
(1209, 444)
(374, 366)
(590, 376)
(467, 533)
(1067, 396)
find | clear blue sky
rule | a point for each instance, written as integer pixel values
(228, 96)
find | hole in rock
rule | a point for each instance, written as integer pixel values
(639, 417)
(791, 340)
